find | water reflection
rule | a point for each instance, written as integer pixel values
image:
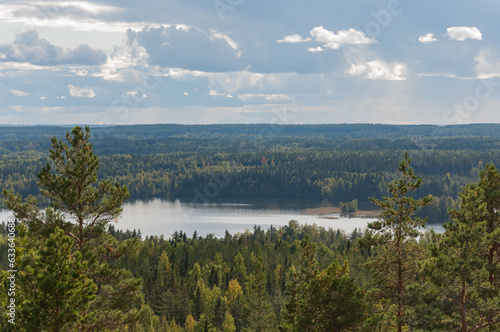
(164, 217)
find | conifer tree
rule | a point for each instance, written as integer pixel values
(228, 325)
(463, 292)
(327, 300)
(394, 234)
(234, 294)
(490, 186)
(54, 292)
(259, 313)
(83, 207)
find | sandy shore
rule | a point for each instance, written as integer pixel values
(321, 211)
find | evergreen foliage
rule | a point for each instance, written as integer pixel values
(82, 207)
(463, 292)
(78, 273)
(322, 300)
(396, 266)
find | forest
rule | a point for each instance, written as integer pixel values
(77, 272)
(321, 162)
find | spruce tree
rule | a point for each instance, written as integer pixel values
(322, 300)
(259, 313)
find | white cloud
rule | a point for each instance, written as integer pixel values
(315, 49)
(80, 72)
(428, 38)
(137, 94)
(487, 66)
(379, 70)
(121, 64)
(85, 6)
(227, 39)
(331, 40)
(43, 98)
(260, 97)
(19, 93)
(334, 40)
(462, 33)
(293, 39)
(76, 15)
(80, 92)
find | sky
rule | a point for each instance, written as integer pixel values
(249, 61)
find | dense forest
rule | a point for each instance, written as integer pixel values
(76, 272)
(206, 162)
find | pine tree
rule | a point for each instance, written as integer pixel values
(83, 207)
(490, 186)
(394, 234)
(463, 293)
(54, 292)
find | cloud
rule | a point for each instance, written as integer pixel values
(28, 47)
(379, 70)
(334, 40)
(48, 9)
(293, 39)
(189, 48)
(227, 39)
(76, 15)
(331, 40)
(19, 93)
(463, 33)
(428, 38)
(80, 92)
(488, 65)
(315, 49)
(260, 97)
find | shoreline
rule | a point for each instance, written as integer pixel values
(328, 210)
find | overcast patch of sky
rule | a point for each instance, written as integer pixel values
(231, 60)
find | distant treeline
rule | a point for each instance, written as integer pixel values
(261, 130)
(244, 161)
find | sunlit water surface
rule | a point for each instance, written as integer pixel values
(164, 217)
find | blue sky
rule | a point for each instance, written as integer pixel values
(242, 61)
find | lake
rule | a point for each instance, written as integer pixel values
(164, 217)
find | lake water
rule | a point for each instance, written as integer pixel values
(164, 217)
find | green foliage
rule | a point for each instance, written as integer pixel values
(82, 207)
(322, 300)
(54, 292)
(351, 206)
(258, 310)
(396, 266)
(344, 165)
(261, 258)
(80, 273)
(461, 273)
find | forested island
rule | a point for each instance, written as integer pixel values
(76, 272)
